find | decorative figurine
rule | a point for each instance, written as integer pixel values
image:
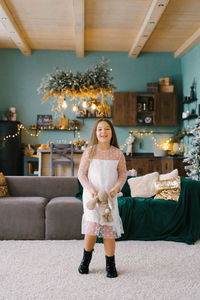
(63, 122)
(129, 142)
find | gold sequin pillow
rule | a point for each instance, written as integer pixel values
(3, 186)
(168, 189)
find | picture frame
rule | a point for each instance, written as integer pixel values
(44, 121)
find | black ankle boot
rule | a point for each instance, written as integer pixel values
(110, 267)
(84, 266)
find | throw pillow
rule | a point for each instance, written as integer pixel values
(3, 186)
(168, 189)
(170, 175)
(143, 186)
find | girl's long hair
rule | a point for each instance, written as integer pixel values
(93, 138)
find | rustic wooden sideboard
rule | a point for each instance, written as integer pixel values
(145, 163)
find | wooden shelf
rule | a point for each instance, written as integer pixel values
(190, 101)
(49, 129)
(93, 117)
(191, 117)
(88, 118)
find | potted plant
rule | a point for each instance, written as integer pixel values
(176, 139)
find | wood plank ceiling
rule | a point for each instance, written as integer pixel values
(133, 26)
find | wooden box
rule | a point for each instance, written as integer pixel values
(165, 81)
(152, 87)
(167, 88)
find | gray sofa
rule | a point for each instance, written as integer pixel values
(41, 208)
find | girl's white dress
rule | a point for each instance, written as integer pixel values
(105, 170)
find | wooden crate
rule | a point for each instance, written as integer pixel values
(165, 81)
(152, 87)
(167, 88)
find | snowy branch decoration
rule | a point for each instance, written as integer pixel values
(95, 83)
(192, 157)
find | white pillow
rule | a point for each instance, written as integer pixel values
(170, 175)
(143, 186)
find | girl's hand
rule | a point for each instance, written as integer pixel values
(93, 192)
(113, 192)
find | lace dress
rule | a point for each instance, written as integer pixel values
(104, 171)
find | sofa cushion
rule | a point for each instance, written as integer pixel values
(3, 186)
(170, 175)
(42, 186)
(22, 218)
(168, 189)
(143, 186)
(63, 218)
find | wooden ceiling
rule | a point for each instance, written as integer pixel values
(133, 26)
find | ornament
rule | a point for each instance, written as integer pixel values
(129, 142)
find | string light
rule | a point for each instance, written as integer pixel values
(93, 107)
(136, 132)
(84, 104)
(163, 145)
(64, 104)
(28, 132)
(74, 108)
(19, 127)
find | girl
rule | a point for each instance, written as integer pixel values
(102, 167)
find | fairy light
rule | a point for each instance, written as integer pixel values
(84, 104)
(163, 145)
(64, 104)
(19, 128)
(28, 132)
(74, 108)
(93, 106)
(136, 132)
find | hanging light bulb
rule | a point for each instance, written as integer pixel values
(74, 108)
(61, 97)
(64, 104)
(93, 106)
(84, 104)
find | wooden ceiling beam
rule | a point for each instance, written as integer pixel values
(192, 41)
(12, 29)
(153, 16)
(79, 26)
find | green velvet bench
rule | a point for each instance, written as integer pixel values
(155, 219)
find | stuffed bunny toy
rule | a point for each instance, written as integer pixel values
(105, 204)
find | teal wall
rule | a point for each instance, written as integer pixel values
(20, 76)
(190, 70)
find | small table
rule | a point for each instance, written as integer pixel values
(44, 164)
(30, 163)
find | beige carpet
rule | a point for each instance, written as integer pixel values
(46, 270)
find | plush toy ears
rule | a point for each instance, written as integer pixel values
(110, 201)
(92, 203)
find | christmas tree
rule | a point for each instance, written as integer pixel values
(192, 157)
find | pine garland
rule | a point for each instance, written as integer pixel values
(93, 83)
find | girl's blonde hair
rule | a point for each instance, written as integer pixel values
(93, 138)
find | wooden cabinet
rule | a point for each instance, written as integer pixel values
(145, 165)
(166, 109)
(11, 151)
(124, 109)
(169, 164)
(132, 109)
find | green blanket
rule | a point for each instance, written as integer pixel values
(154, 219)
